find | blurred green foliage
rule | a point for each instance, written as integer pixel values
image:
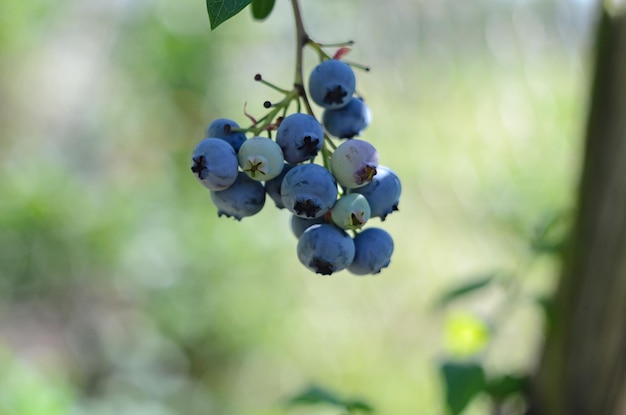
(122, 292)
(27, 391)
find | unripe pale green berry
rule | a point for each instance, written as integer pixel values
(261, 158)
(351, 211)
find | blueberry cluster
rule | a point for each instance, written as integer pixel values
(329, 202)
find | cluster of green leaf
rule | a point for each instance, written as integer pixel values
(222, 10)
(465, 379)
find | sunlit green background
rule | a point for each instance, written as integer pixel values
(121, 292)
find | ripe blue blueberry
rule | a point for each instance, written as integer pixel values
(245, 197)
(223, 128)
(351, 211)
(332, 83)
(373, 248)
(272, 186)
(348, 121)
(325, 249)
(383, 193)
(354, 163)
(261, 158)
(308, 190)
(214, 163)
(300, 136)
(299, 225)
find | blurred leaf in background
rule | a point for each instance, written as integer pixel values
(315, 395)
(27, 390)
(463, 382)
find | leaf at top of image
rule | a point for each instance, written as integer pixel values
(262, 8)
(222, 10)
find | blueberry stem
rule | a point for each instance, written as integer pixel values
(358, 65)
(302, 38)
(318, 49)
(268, 118)
(274, 87)
(326, 153)
(329, 142)
(336, 45)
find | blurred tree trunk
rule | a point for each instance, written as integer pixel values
(583, 366)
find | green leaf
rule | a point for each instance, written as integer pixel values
(504, 386)
(468, 287)
(262, 8)
(317, 395)
(222, 10)
(357, 405)
(313, 395)
(463, 382)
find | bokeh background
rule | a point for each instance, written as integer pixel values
(122, 292)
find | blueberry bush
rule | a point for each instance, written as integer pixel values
(125, 288)
(285, 168)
